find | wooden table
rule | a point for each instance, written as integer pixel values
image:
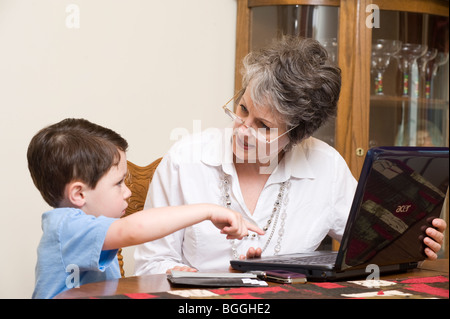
(159, 283)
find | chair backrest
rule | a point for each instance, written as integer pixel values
(138, 181)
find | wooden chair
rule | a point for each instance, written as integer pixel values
(138, 181)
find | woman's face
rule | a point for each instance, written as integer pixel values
(260, 121)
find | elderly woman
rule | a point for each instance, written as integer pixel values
(267, 167)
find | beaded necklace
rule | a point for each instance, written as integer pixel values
(278, 212)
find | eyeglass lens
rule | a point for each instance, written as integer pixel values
(267, 135)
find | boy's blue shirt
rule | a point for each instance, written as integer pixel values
(72, 241)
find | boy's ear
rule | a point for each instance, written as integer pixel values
(76, 193)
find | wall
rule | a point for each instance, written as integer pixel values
(140, 67)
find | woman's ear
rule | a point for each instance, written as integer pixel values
(75, 194)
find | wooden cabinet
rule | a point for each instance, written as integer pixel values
(354, 126)
(372, 110)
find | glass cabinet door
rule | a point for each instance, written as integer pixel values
(409, 84)
(409, 80)
(309, 21)
(395, 75)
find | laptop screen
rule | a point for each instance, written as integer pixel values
(401, 190)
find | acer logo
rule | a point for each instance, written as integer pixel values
(403, 208)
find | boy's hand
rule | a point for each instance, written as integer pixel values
(232, 224)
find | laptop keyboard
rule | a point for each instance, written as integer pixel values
(309, 260)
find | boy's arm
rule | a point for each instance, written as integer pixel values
(156, 223)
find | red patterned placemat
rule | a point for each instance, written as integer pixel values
(407, 288)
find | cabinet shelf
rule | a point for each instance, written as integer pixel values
(377, 100)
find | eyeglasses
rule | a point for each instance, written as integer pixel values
(266, 135)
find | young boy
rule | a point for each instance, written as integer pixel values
(79, 168)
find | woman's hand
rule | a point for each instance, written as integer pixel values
(435, 238)
(181, 268)
(252, 253)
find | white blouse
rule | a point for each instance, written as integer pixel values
(318, 202)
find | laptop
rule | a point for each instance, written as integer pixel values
(400, 191)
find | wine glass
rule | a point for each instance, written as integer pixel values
(426, 66)
(382, 50)
(407, 56)
(441, 59)
(331, 45)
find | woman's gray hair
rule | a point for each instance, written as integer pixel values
(295, 78)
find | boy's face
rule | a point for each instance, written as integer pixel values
(109, 198)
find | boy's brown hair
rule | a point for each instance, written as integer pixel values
(71, 150)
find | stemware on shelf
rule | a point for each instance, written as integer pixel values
(331, 45)
(382, 51)
(407, 57)
(441, 59)
(426, 65)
